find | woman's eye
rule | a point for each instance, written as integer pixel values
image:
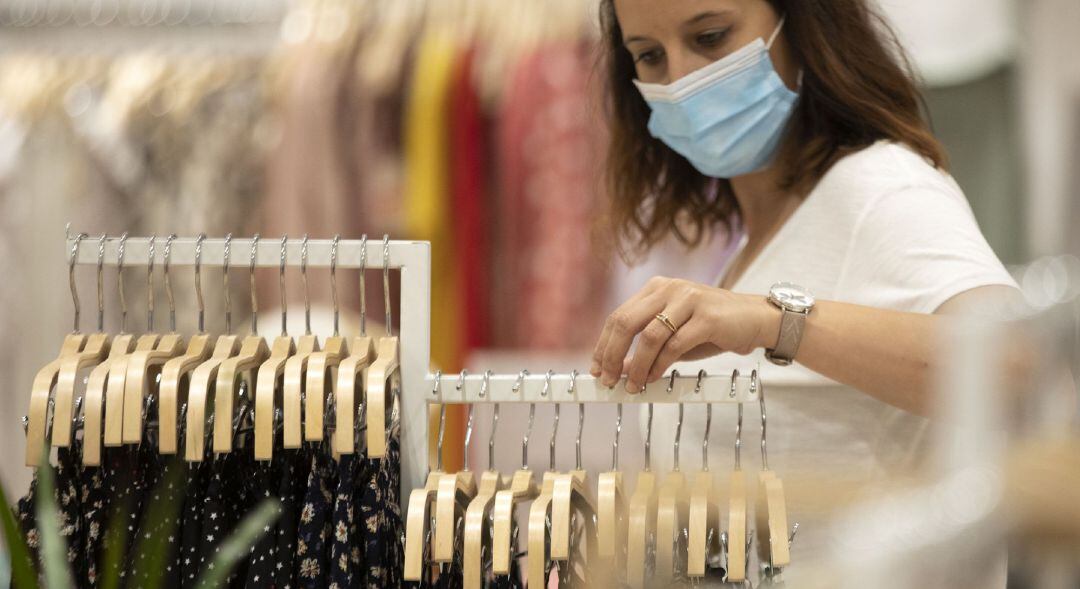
(649, 57)
(711, 38)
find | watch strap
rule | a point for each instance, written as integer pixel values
(792, 325)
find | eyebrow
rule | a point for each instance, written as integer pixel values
(696, 19)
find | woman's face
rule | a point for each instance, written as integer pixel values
(669, 39)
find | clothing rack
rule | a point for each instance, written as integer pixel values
(419, 387)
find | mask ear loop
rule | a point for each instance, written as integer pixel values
(776, 32)
(772, 39)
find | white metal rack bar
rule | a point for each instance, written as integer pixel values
(413, 260)
(534, 388)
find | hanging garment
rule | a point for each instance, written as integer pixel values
(551, 277)
(427, 195)
(66, 498)
(380, 511)
(313, 532)
(344, 559)
(230, 494)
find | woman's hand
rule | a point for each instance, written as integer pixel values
(709, 321)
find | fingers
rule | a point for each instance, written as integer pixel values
(602, 342)
(694, 335)
(652, 339)
(626, 323)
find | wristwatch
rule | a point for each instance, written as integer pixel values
(795, 302)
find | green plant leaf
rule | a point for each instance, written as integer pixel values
(23, 575)
(159, 526)
(53, 547)
(115, 545)
(238, 545)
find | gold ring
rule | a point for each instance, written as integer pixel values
(667, 322)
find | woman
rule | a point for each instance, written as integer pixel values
(796, 123)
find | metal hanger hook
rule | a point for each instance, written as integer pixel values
(648, 438)
(303, 276)
(547, 383)
(528, 431)
(198, 282)
(333, 285)
(150, 286)
(363, 284)
(618, 433)
(671, 381)
(226, 258)
(386, 281)
(251, 276)
(580, 420)
(442, 432)
(120, 280)
(71, 277)
(468, 438)
(461, 379)
(281, 285)
(485, 384)
(738, 426)
(491, 437)
(708, 423)
(101, 282)
(168, 283)
(554, 428)
(678, 436)
(757, 387)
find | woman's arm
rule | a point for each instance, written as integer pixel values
(890, 355)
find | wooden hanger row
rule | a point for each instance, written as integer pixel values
(198, 382)
(455, 519)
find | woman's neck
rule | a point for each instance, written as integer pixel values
(763, 205)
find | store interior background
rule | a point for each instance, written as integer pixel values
(472, 124)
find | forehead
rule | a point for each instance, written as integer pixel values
(659, 17)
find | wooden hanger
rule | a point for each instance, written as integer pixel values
(417, 515)
(94, 351)
(306, 345)
(702, 510)
(253, 352)
(350, 375)
(571, 492)
(204, 377)
(538, 536)
(271, 376)
(770, 511)
(641, 514)
(322, 368)
(117, 383)
(541, 534)
(522, 488)
(384, 373)
(476, 516)
(610, 504)
(45, 380)
(456, 491)
(141, 366)
(172, 392)
(669, 507)
(737, 514)
(94, 403)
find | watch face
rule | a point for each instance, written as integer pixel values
(793, 297)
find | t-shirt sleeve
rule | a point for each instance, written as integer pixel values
(916, 248)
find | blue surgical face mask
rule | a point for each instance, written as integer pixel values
(726, 118)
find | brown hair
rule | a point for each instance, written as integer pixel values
(857, 88)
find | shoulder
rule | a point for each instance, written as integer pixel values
(888, 182)
(884, 168)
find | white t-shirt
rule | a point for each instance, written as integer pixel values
(883, 228)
